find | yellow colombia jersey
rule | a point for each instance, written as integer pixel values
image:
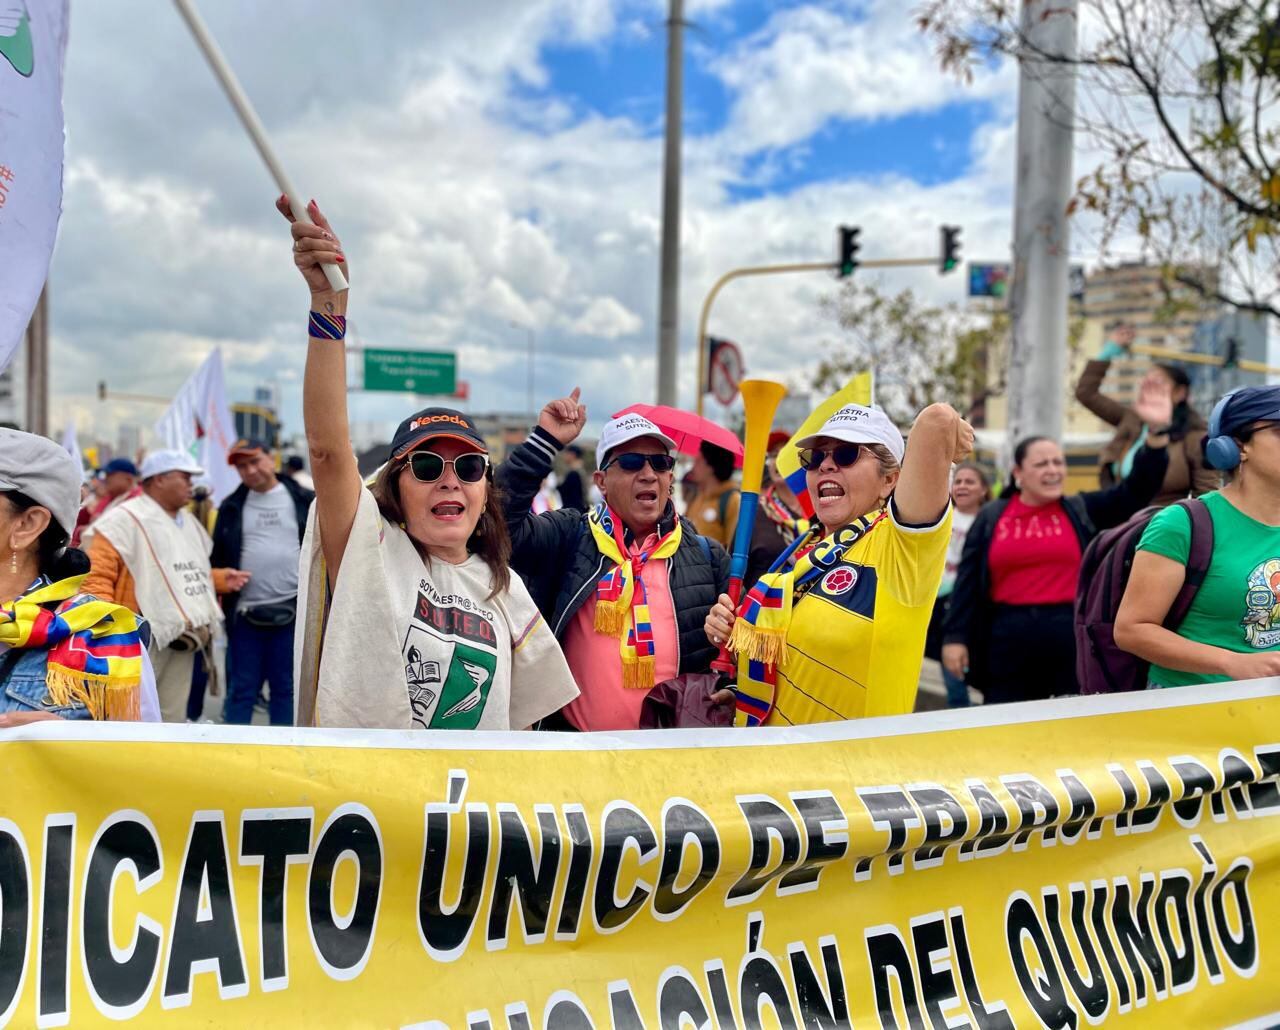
(856, 638)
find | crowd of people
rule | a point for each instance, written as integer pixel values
(443, 594)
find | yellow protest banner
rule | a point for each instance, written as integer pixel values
(1090, 860)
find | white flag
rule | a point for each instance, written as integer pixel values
(33, 41)
(71, 444)
(199, 422)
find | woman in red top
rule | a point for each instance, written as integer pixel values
(1009, 628)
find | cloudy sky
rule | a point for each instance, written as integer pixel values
(493, 165)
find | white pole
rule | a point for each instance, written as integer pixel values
(1041, 254)
(252, 125)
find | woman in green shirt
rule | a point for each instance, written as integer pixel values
(1232, 630)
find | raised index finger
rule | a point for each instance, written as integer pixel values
(577, 392)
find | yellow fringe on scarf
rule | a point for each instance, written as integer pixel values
(612, 617)
(638, 675)
(105, 699)
(757, 643)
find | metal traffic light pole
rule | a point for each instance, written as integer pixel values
(752, 270)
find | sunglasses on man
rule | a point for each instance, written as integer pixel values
(427, 466)
(634, 462)
(811, 458)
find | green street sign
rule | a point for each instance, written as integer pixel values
(411, 371)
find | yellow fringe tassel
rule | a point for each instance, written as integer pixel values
(638, 675)
(611, 617)
(113, 701)
(760, 645)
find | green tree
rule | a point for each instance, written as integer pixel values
(1178, 99)
(921, 353)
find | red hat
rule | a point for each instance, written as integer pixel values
(777, 440)
(244, 447)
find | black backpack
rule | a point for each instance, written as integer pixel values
(1101, 666)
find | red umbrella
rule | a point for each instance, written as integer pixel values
(687, 429)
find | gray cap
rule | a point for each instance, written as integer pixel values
(44, 472)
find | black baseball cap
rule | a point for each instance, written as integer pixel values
(432, 422)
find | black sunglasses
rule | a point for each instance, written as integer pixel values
(632, 462)
(427, 466)
(844, 456)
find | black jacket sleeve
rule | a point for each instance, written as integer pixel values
(1112, 506)
(720, 559)
(968, 596)
(218, 556)
(227, 531)
(539, 542)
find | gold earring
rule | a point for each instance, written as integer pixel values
(13, 563)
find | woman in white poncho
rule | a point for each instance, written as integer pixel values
(409, 616)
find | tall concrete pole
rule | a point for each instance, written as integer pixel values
(36, 409)
(1041, 252)
(669, 298)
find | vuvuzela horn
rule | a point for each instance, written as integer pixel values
(760, 400)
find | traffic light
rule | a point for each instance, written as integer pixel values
(849, 247)
(950, 249)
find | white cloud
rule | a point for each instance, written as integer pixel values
(606, 319)
(810, 64)
(464, 202)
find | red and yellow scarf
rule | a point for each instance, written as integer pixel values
(95, 652)
(622, 602)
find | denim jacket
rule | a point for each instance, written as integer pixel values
(23, 687)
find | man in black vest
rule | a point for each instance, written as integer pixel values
(647, 567)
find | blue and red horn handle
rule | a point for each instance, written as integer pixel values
(760, 400)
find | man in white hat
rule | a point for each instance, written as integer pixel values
(153, 557)
(626, 586)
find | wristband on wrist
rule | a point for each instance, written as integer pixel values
(1110, 351)
(321, 326)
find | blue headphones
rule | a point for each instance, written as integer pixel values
(1221, 452)
(1248, 404)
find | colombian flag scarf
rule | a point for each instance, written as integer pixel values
(95, 652)
(622, 603)
(759, 636)
(789, 525)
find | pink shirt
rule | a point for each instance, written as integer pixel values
(596, 661)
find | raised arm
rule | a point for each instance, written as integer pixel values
(536, 539)
(938, 437)
(1112, 506)
(324, 391)
(1089, 388)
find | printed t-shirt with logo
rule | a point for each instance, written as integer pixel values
(1034, 556)
(457, 652)
(856, 638)
(414, 644)
(1238, 605)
